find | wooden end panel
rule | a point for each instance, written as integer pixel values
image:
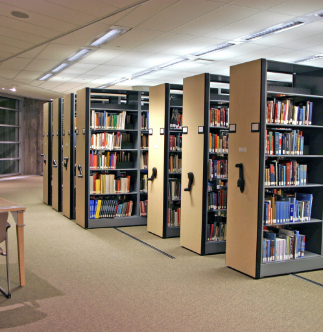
(81, 154)
(67, 153)
(156, 159)
(242, 216)
(192, 161)
(46, 132)
(55, 182)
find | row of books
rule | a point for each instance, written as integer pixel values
(108, 160)
(284, 245)
(217, 200)
(109, 141)
(144, 183)
(287, 209)
(174, 189)
(285, 143)
(285, 173)
(144, 160)
(106, 208)
(144, 141)
(144, 124)
(175, 119)
(219, 117)
(175, 163)
(217, 169)
(109, 184)
(175, 142)
(143, 205)
(173, 216)
(218, 143)
(216, 231)
(286, 112)
(105, 120)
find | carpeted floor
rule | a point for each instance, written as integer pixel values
(103, 280)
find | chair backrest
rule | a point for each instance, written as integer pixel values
(3, 225)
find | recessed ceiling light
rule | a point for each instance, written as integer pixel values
(310, 58)
(79, 54)
(142, 73)
(172, 63)
(60, 67)
(108, 36)
(274, 29)
(43, 78)
(19, 14)
(214, 49)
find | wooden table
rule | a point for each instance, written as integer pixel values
(17, 212)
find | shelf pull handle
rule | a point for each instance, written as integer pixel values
(54, 163)
(190, 181)
(44, 158)
(241, 181)
(65, 162)
(154, 174)
(79, 167)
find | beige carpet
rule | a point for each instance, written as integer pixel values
(102, 280)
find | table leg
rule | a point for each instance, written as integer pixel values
(21, 249)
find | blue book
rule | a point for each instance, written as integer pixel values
(272, 236)
(310, 113)
(268, 256)
(104, 119)
(306, 198)
(278, 213)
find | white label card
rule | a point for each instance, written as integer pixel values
(156, 146)
(242, 149)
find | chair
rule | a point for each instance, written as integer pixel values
(4, 225)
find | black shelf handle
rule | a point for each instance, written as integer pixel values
(241, 181)
(190, 181)
(44, 158)
(154, 174)
(65, 162)
(79, 167)
(54, 163)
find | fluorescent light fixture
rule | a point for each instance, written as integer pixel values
(319, 14)
(45, 77)
(214, 49)
(274, 29)
(118, 81)
(13, 89)
(111, 34)
(102, 87)
(60, 67)
(142, 73)
(172, 63)
(310, 58)
(79, 54)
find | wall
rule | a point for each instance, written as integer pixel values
(32, 136)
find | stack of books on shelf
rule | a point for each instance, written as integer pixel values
(287, 143)
(217, 169)
(174, 189)
(175, 142)
(143, 208)
(175, 163)
(285, 112)
(144, 183)
(103, 208)
(217, 200)
(219, 117)
(99, 160)
(173, 215)
(105, 120)
(109, 184)
(144, 141)
(283, 244)
(109, 141)
(287, 207)
(216, 231)
(176, 119)
(218, 143)
(144, 160)
(144, 121)
(285, 173)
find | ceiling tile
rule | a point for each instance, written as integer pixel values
(56, 52)
(66, 86)
(101, 56)
(307, 43)
(126, 71)
(291, 56)
(85, 78)
(79, 68)
(259, 4)
(8, 73)
(49, 84)
(180, 13)
(19, 35)
(41, 65)
(154, 60)
(216, 19)
(119, 3)
(93, 7)
(298, 7)
(132, 39)
(28, 75)
(14, 42)
(63, 77)
(128, 58)
(164, 42)
(15, 63)
(11, 49)
(103, 70)
(32, 53)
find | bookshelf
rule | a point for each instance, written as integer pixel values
(199, 97)
(47, 153)
(165, 113)
(57, 192)
(69, 151)
(261, 233)
(105, 169)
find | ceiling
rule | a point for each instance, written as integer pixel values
(160, 31)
